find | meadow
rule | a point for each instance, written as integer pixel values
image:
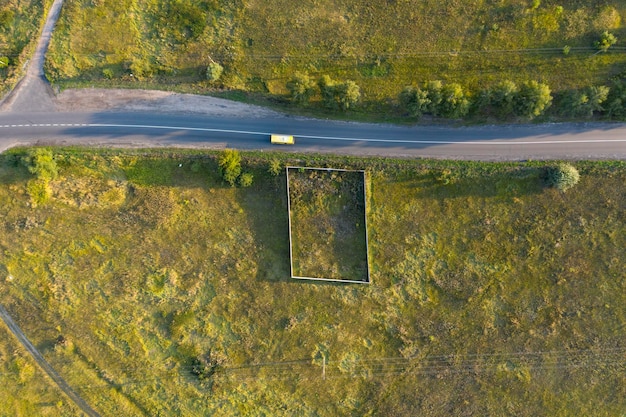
(154, 288)
(381, 45)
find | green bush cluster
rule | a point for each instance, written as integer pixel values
(334, 94)
(229, 162)
(435, 98)
(506, 100)
(41, 162)
(562, 176)
(451, 100)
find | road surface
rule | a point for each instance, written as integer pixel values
(510, 142)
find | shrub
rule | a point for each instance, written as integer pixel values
(40, 161)
(38, 190)
(532, 99)
(107, 73)
(435, 96)
(616, 100)
(327, 90)
(4, 61)
(214, 71)
(583, 103)
(338, 95)
(606, 40)
(414, 101)
(562, 177)
(347, 94)
(275, 167)
(246, 179)
(230, 165)
(454, 101)
(301, 87)
(502, 98)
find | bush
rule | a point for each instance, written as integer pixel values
(583, 103)
(214, 71)
(532, 100)
(414, 101)
(275, 167)
(246, 179)
(435, 96)
(301, 87)
(607, 40)
(230, 165)
(40, 161)
(107, 73)
(454, 101)
(616, 100)
(502, 98)
(4, 61)
(338, 95)
(347, 94)
(562, 177)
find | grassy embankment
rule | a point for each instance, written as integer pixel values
(20, 24)
(383, 46)
(491, 295)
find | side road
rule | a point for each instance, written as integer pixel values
(34, 93)
(43, 364)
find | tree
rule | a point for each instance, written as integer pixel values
(532, 99)
(338, 95)
(414, 100)
(214, 71)
(454, 101)
(583, 103)
(562, 177)
(435, 96)
(230, 165)
(301, 87)
(40, 161)
(616, 100)
(327, 90)
(502, 98)
(347, 94)
(607, 40)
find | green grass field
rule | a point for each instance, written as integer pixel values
(381, 45)
(490, 294)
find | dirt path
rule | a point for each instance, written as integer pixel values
(43, 364)
(33, 93)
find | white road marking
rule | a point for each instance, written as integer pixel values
(333, 138)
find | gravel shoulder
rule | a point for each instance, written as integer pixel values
(122, 100)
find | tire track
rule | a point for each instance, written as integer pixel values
(43, 364)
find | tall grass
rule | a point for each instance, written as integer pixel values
(490, 294)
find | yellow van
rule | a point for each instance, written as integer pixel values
(282, 139)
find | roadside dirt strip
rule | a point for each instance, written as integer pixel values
(64, 386)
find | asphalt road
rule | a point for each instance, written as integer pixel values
(510, 142)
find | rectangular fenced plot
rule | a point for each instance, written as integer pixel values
(328, 224)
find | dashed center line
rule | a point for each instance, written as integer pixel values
(416, 141)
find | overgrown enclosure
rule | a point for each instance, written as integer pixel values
(328, 224)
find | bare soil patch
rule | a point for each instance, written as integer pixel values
(93, 99)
